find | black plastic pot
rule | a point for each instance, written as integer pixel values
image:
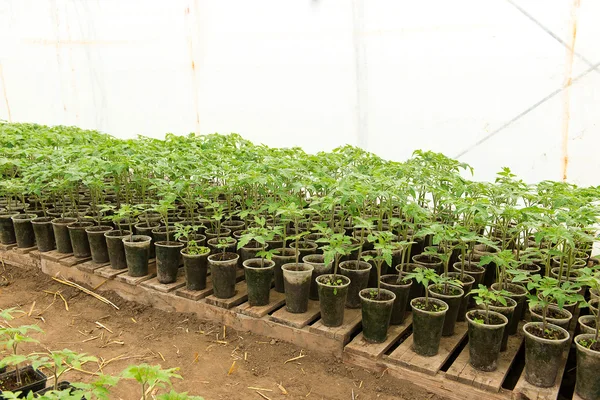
(587, 385)
(587, 324)
(473, 270)
(248, 252)
(160, 234)
(358, 273)
(24, 230)
(167, 261)
(416, 289)
(223, 267)
(146, 229)
(452, 300)
(44, 234)
(306, 248)
(401, 290)
(62, 385)
(296, 282)
(259, 276)
(563, 321)
(467, 284)
(509, 313)
(490, 269)
(427, 327)
(543, 356)
(212, 233)
(7, 229)
(97, 241)
(485, 340)
(283, 256)
(61, 234)
(79, 239)
(115, 248)
(432, 262)
(332, 298)
(519, 294)
(319, 268)
(196, 269)
(137, 252)
(376, 313)
(38, 380)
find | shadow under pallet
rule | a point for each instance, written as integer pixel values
(448, 374)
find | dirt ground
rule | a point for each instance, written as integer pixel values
(203, 351)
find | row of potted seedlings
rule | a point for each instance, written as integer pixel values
(345, 227)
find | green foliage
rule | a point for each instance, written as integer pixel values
(150, 376)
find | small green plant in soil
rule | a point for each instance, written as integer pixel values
(150, 377)
(425, 277)
(11, 338)
(549, 292)
(384, 247)
(187, 232)
(163, 207)
(591, 278)
(337, 245)
(260, 234)
(60, 361)
(484, 296)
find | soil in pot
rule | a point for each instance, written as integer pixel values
(428, 322)
(44, 234)
(146, 229)
(282, 256)
(509, 312)
(332, 298)
(7, 229)
(213, 245)
(296, 281)
(212, 233)
(543, 352)
(401, 290)
(452, 296)
(587, 385)
(305, 248)
(587, 324)
(31, 381)
(97, 241)
(259, 276)
(137, 251)
(250, 250)
(376, 310)
(427, 261)
(467, 284)
(79, 239)
(61, 234)
(485, 338)
(358, 273)
(223, 267)
(554, 316)
(24, 230)
(519, 294)
(319, 268)
(196, 269)
(167, 261)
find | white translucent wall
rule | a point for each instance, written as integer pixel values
(480, 79)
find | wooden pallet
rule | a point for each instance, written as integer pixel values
(109, 272)
(24, 250)
(462, 371)
(352, 323)
(404, 354)
(54, 255)
(5, 247)
(276, 301)
(136, 280)
(284, 317)
(91, 266)
(361, 347)
(166, 287)
(240, 296)
(71, 260)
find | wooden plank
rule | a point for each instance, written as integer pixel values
(404, 354)
(283, 316)
(72, 260)
(352, 321)
(6, 247)
(139, 279)
(361, 347)
(109, 272)
(461, 369)
(54, 255)
(35, 254)
(240, 296)
(168, 287)
(436, 384)
(276, 300)
(24, 250)
(90, 266)
(196, 294)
